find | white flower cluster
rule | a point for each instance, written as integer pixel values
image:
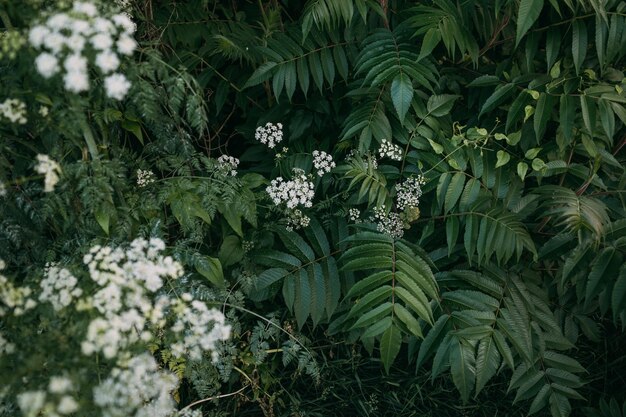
(59, 287)
(201, 328)
(270, 134)
(294, 193)
(73, 36)
(388, 223)
(228, 164)
(137, 388)
(50, 169)
(3, 189)
(126, 278)
(14, 299)
(297, 220)
(323, 162)
(354, 215)
(15, 110)
(409, 192)
(389, 150)
(145, 177)
(6, 346)
(56, 402)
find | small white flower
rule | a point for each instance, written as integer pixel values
(50, 169)
(54, 42)
(75, 63)
(67, 405)
(388, 223)
(84, 7)
(59, 385)
(76, 43)
(3, 192)
(354, 214)
(59, 21)
(107, 61)
(81, 27)
(126, 45)
(270, 134)
(15, 110)
(101, 41)
(228, 164)
(116, 86)
(390, 150)
(323, 162)
(144, 177)
(409, 192)
(76, 81)
(124, 21)
(47, 65)
(37, 35)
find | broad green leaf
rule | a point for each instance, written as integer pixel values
(599, 273)
(262, 73)
(377, 328)
(231, 251)
(470, 194)
(373, 315)
(503, 348)
(527, 14)
(452, 232)
(103, 217)
(401, 94)
(408, 319)
(501, 93)
(503, 158)
(390, 343)
(302, 303)
(560, 361)
(522, 169)
(487, 362)
(433, 339)
(454, 191)
(559, 405)
(440, 105)
(540, 400)
(542, 114)
(618, 295)
(430, 41)
(579, 43)
(211, 269)
(463, 368)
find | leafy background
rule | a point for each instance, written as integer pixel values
(507, 295)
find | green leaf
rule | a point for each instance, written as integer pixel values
(463, 368)
(503, 158)
(501, 93)
(470, 194)
(390, 343)
(432, 340)
(373, 316)
(527, 14)
(408, 319)
(262, 73)
(377, 328)
(103, 217)
(579, 43)
(231, 251)
(302, 303)
(440, 105)
(454, 191)
(430, 41)
(542, 114)
(522, 170)
(540, 400)
(503, 348)
(401, 94)
(618, 295)
(560, 361)
(559, 405)
(487, 362)
(598, 274)
(211, 269)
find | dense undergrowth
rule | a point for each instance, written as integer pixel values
(333, 207)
